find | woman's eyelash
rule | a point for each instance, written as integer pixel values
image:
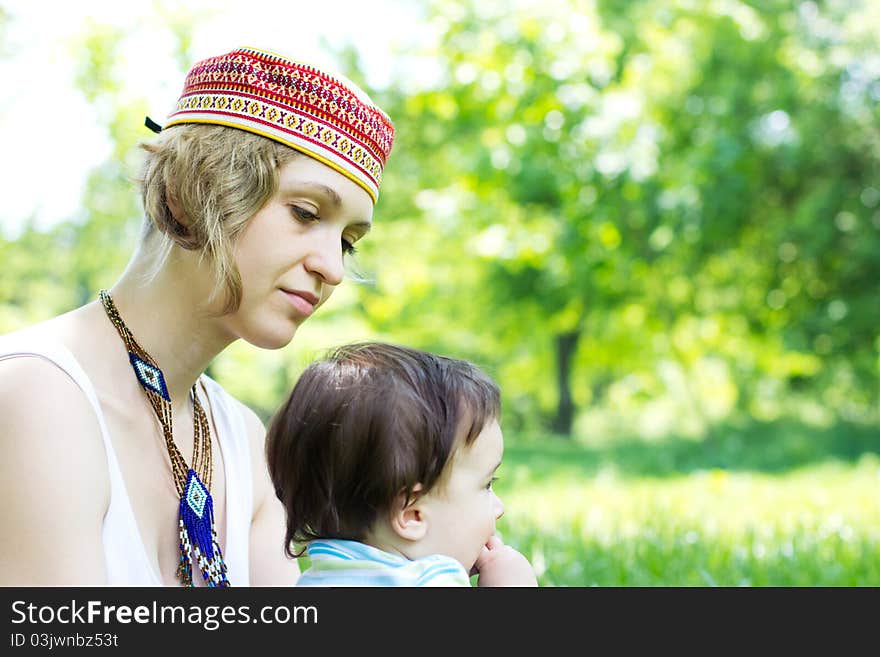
(491, 481)
(302, 214)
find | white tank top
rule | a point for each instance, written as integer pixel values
(126, 558)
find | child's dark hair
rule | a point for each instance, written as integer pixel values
(365, 424)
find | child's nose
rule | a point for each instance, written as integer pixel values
(499, 507)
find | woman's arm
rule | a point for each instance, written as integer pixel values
(269, 565)
(54, 487)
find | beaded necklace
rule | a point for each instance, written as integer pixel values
(198, 536)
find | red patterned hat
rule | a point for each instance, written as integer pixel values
(325, 116)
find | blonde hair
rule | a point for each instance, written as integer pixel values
(218, 178)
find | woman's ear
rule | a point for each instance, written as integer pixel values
(410, 520)
(178, 223)
(174, 209)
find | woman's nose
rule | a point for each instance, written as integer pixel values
(325, 259)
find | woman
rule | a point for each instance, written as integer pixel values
(123, 463)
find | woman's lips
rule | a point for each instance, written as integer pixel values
(304, 302)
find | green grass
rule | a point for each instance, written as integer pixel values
(759, 505)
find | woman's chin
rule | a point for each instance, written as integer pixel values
(271, 339)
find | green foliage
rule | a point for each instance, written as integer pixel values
(672, 185)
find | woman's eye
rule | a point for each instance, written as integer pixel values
(304, 215)
(491, 481)
(348, 248)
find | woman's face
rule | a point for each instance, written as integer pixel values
(290, 255)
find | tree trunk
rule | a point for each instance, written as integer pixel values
(566, 343)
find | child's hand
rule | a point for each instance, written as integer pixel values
(501, 565)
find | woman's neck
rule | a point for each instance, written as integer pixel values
(170, 317)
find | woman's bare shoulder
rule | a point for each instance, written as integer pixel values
(43, 407)
(32, 361)
(53, 472)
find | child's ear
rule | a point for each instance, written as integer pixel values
(409, 521)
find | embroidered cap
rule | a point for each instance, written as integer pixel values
(325, 116)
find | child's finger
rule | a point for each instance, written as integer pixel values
(494, 542)
(478, 564)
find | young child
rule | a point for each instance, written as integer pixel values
(384, 458)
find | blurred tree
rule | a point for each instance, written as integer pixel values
(584, 159)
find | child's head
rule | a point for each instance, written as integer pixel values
(392, 446)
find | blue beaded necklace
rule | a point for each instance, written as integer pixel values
(198, 537)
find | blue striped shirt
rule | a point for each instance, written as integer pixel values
(336, 562)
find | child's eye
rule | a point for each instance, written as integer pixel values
(348, 248)
(491, 481)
